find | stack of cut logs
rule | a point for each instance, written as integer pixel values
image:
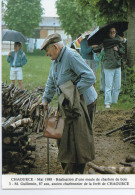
(128, 129)
(127, 167)
(16, 101)
(17, 151)
(21, 114)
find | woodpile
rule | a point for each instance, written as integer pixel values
(21, 115)
(127, 129)
(17, 151)
(127, 167)
(16, 101)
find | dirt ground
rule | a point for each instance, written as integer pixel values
(110, 150)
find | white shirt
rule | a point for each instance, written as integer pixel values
(15, 58)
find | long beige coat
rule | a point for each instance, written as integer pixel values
(77, 142)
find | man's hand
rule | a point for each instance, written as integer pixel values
(9, 54)
(44, 105)
(115, 48)
(94, 46)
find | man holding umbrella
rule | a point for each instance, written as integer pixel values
(113, 49)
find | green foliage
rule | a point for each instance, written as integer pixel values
(128, 86)
(107, 10)
(35, 72)
(23, 15)
(74, 20)
(36, 52)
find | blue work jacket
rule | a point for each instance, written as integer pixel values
(69, 66)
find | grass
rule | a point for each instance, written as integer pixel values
(35, 74)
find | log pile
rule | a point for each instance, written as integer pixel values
(127, 129)
(127, 167)
(17, 150)
(21, 113)
(16, 101)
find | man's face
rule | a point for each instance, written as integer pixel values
(112, 33)
(52, 51)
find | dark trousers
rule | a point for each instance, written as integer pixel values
(72, 168)
(92, 110)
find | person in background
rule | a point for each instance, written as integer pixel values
(76, 146)
(87, 54)
(113, 49)
(17, 59)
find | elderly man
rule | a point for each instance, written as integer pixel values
(76, 146)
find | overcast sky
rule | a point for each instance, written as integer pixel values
(49, 6)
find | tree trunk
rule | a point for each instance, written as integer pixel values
(131, 34)
(130, 73)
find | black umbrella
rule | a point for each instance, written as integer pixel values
(98, 37)
(12, 35)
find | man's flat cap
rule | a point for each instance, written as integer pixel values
(53, 38)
